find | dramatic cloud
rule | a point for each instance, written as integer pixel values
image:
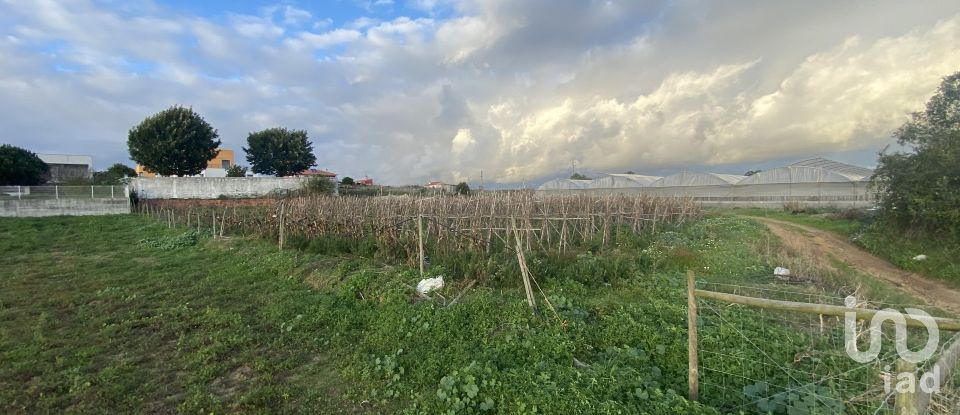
(443, 89)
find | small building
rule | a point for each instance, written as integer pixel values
(216, 167)
(440, 186)
(318, 173)
(64, 167)
(366, 181)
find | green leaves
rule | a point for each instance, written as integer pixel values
(176, 141)
(20, 167)
(921, 188)
(279, 151)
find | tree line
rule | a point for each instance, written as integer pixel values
(179, 142)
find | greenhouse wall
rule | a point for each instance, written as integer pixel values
(833, 194)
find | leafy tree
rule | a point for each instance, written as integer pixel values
(113, 174)
(347, 181)
(578, 176)
(20, 167)
(752, 172)
(175, 141)
(921, 187)
(237, 170)
(462, 188)
(279, 151)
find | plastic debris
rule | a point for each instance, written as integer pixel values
(781, 272)
(427, 285)
(920, 257)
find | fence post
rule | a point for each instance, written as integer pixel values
(19, 192)
(906, 399)
(56, 191)
(91, 193)
(111, 191)
(420, 241)
(693, 361)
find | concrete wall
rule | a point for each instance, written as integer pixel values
(63, 206)
(833, 194)
(211, 187)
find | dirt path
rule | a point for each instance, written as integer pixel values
(935, 293)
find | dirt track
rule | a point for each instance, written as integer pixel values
(933, 292)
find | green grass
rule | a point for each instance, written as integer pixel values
(120, 314)
(822, 220)
(901, 246)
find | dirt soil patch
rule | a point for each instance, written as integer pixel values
(935, 293)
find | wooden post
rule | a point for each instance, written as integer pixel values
(420, 242)
(19, 192)
(91, 193)
(906, 400)
(56, 191)
(280, 241)
(945, 367)
(692, 358)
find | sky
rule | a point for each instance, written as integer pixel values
(522, 91)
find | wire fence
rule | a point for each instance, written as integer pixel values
(758, 360)
(63, 192)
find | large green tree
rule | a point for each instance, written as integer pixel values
(20, 167)
(921, 186)
(175, 141)
(279, 151)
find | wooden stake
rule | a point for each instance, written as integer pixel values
(280, 239)
(692, 360)
(420, 242)
(906, 400)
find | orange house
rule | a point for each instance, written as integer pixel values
(216, 167)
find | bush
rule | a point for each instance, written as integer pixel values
(317, 186)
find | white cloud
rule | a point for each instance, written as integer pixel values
(516, 89)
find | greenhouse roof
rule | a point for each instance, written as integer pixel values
(614, 180)
(686, 178)
(855, 173)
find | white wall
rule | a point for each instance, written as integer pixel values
(63, 206)
(211, 187)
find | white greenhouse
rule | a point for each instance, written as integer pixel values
(687, 179)
(622, 181)
(564, 184)
(816, 170)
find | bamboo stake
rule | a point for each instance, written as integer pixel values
(692, 358)
(420, 242)
(280, 238)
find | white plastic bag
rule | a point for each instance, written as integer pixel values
(781, 272)
(920, 257)
(429, 284)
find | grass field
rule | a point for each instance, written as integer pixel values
(120, 314)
